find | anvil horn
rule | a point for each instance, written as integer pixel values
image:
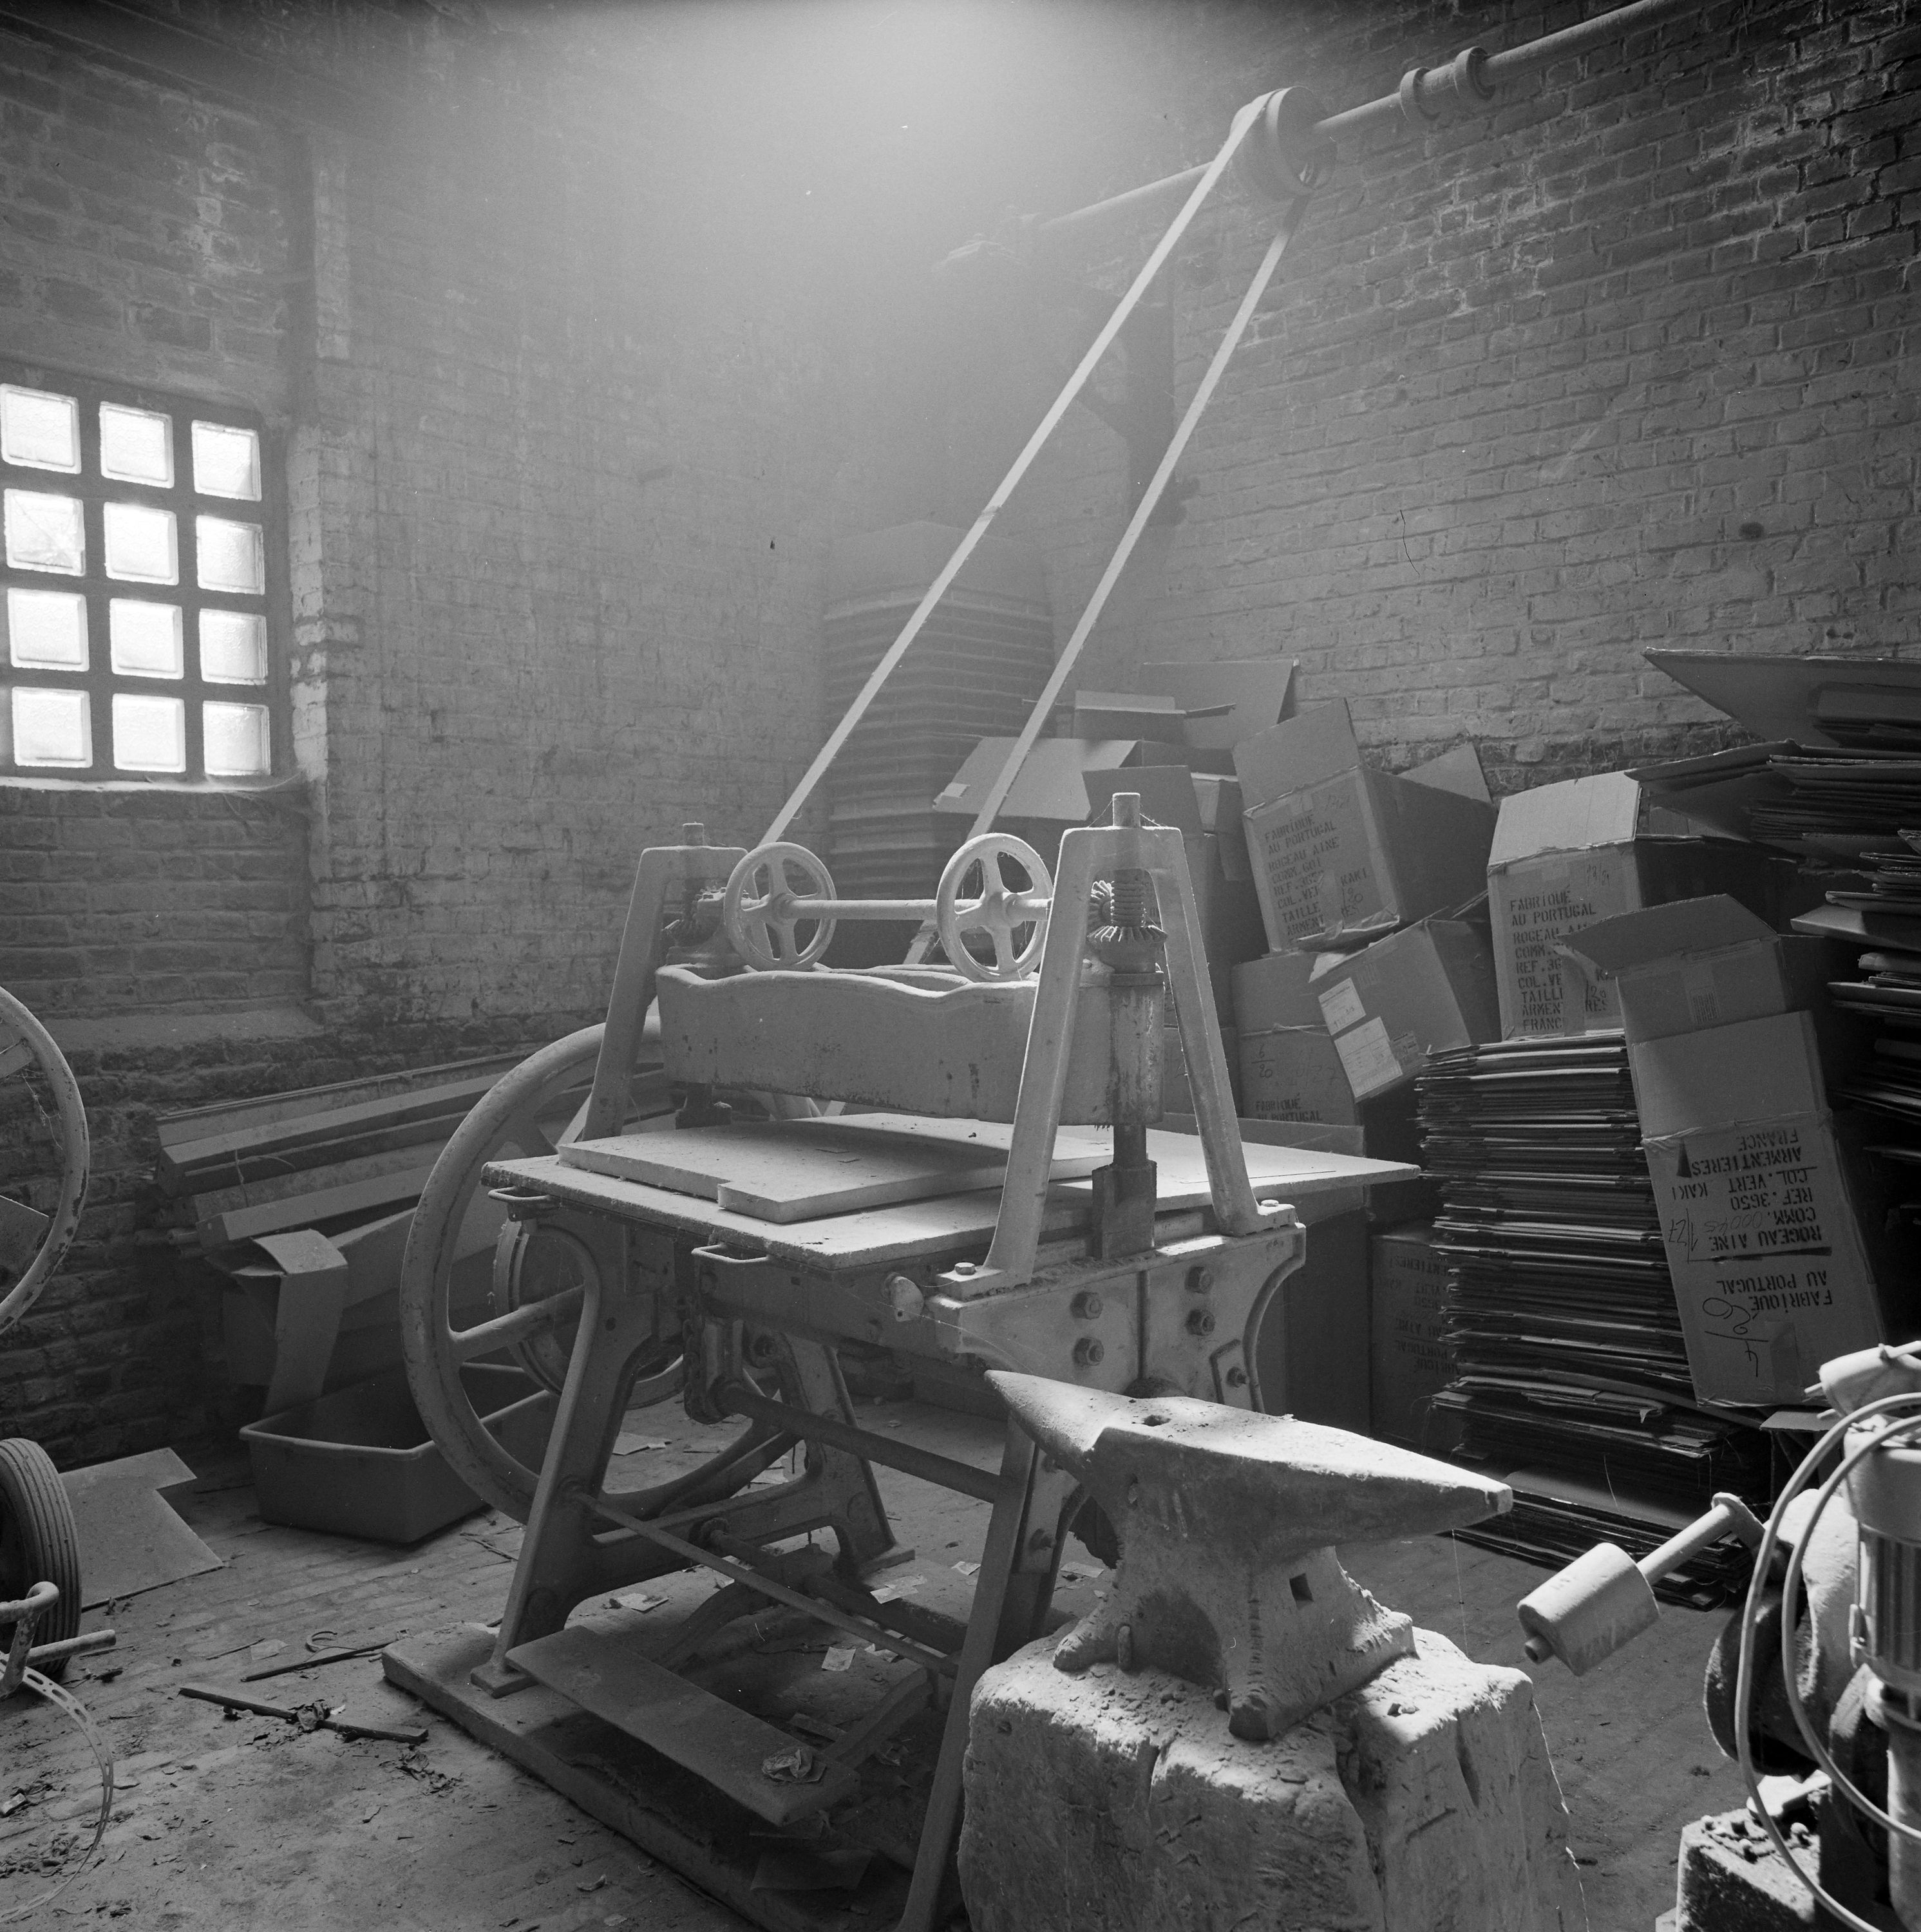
(1253, 1477)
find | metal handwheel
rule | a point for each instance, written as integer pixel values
(759, 913)
(1002, 912)
(540, 1277)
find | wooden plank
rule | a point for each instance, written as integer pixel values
(714, 1740)
(193, 1123)
(683, 1823)
(302, 1210)
(219, 1200)
(453, 1099)
(391, 1179)
(270, 1163)
(788, 1171)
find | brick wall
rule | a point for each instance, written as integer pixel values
(1627, 363)
(581, 361)
(131, 898)
(146, 243)
(568, 442)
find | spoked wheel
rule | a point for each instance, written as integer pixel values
(39, 1544)
(513, 1119)
(540, 1275)
(40, 1101)
(44, 1160)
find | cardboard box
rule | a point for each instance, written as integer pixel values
(1232, 930)
(1408, 1285)
(1230, 914)
(1704, 962)
(1771, 1218)
(1568, 856)
(1277, 990)
(1220, 799)
(1341, 854)
(1226, 702)
(1295, 1073)
(1415, 993)
(1050, 792)
(1167, 794)
(1176, 1094)
(1125, 714)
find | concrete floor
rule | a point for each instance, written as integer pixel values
(221, 1822)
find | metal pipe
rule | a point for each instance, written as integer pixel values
(1433, 96)
(85, 1645)
(924, 1463)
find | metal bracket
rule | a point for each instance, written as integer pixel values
(663, 870)
(1088, 852)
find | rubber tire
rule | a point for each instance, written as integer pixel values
(39, 1543)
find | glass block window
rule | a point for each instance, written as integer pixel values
(138, 582)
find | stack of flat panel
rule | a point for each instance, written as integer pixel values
(1839, 771)
(1570, 1376)
(1885, 919)
(973, 673)
(1848, 803)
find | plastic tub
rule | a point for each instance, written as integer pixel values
(360, 1462)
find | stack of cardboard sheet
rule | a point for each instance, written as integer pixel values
(1837, 774)
(1882, 924)
(1571, 1370)
(1845, 803)
(1837, 780)
(975, 669)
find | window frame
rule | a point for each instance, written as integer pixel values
(95, 491)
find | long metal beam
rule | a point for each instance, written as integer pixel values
(982, 1484)
(1432, 96)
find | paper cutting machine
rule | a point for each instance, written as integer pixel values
(1008, 1203)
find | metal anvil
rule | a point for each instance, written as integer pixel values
(1228, 1522)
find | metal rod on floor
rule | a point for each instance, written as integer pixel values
(1432, 94)
(41, 1655)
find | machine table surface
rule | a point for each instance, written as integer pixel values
(872, 1236)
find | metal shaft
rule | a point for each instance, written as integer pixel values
(1433, 97)
(911, 1461)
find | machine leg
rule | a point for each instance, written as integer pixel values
(552, 1575)
(850, 1498)
(1011, 1597)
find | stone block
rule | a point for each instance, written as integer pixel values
(1422, 1802)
